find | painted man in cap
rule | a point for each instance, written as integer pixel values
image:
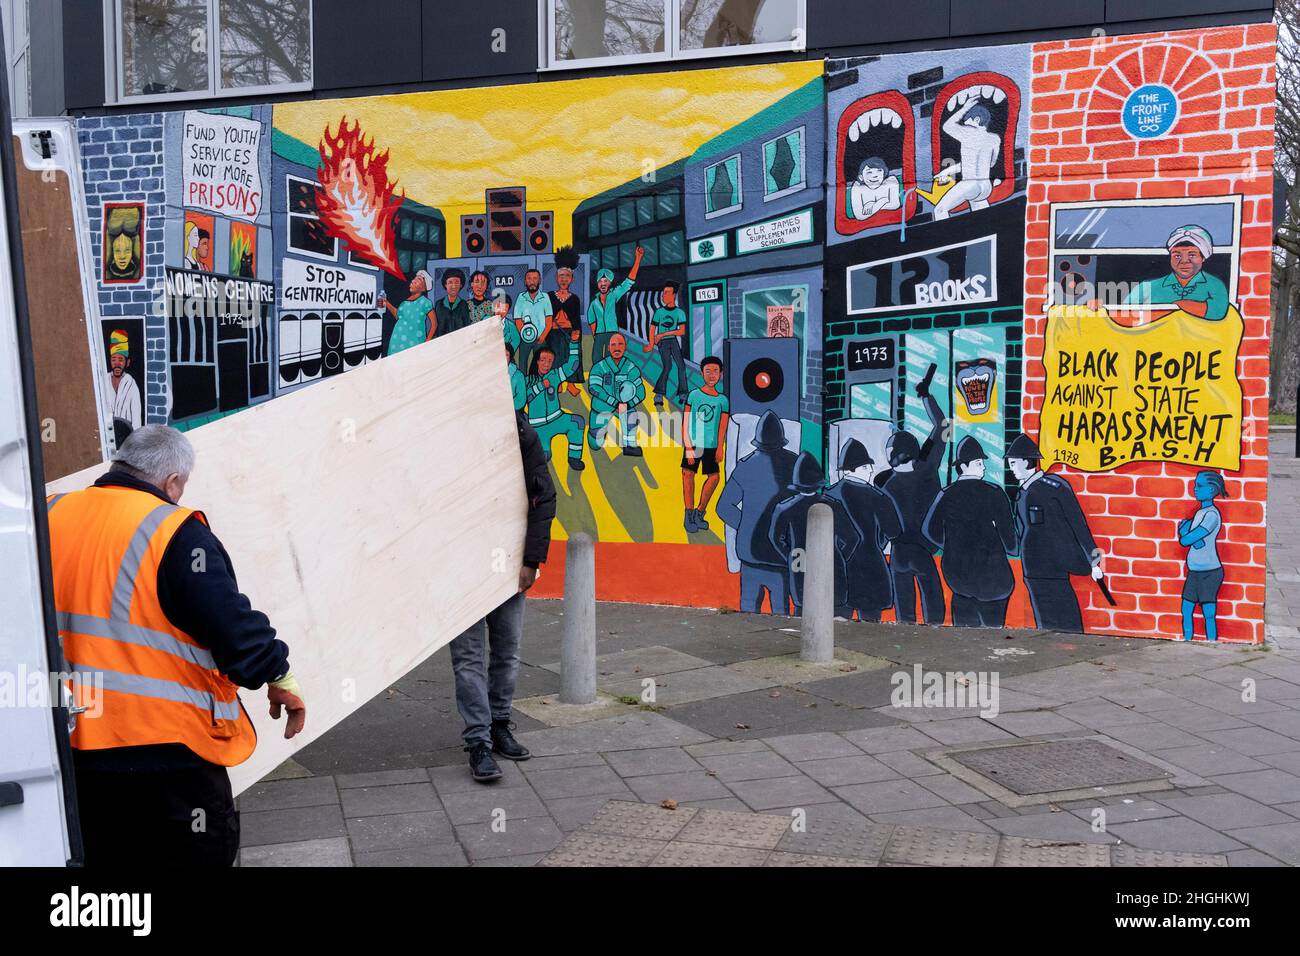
(1055, 542)
(913, 483)
(875, 520)
(602, 314)
(789, 532)
(751, 493)
(971, 521)
(1187, 286)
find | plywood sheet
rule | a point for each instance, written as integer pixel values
(65, 385)
(373, 517)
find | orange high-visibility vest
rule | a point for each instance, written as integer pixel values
(159, 685)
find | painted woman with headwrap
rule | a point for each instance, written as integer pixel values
(568, 316)
(1187, 286)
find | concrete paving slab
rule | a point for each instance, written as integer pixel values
(694, 785)
(1017, 851)
(624, 818)
(943, 818)
(908, 764)
(603, 849)
(876, 740)
(1209, 760)
(682, 687)
(845, 771)
(1228, 811)
(731, 828)
(289, 770)
(488, 803)
(932, 846)
(800, 859)
(399, 798)
(966, 730)
(485, 841)
(951, 789)
(422, 856)
(293, 825)
(800, 747)
(888, 795)
(780, 792)
(422, 828)
(717, 747)
(550, 712)
(639, 763)
(1033, 723)
(639, 662)
(633, 731)
(700, 854)
(456, 778)
(1051, 827)
(788, 669)
(749, 766)
(1269, 787)
(574, 813)
(324, 852)
(1136, 810)
(1252, 741)
(576, 782)
(291, 792)
(382, 778)
(1174, 833)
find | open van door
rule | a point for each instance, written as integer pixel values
(37, 803)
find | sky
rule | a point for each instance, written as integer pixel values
(565, 140)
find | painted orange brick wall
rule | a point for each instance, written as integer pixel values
(1221, 144)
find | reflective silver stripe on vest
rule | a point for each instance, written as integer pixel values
(124, 586)
(157, 688)
(129, 633)
(49, 505)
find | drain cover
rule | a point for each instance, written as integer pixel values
(1058, 765)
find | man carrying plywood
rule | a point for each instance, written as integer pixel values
(158, 639)
(485, 678)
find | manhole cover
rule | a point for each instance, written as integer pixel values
(1058, 765)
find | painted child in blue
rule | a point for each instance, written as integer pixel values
(1199, 534)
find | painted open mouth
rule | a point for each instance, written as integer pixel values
(976, 383)
(875, 132)
(882, 116)
(988, 96)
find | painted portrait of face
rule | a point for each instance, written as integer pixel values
(123, 245)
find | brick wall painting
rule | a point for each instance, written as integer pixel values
(1004, 309)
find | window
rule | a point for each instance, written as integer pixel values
(593, 226)
(645, 210)
(581, 33)
(672, 249)
(784, 165)
(176, 49)
(651, 247)
(722, 187)
(609, 221)
(17, 54)
(626, 215)
(306, 232)
(669, 204)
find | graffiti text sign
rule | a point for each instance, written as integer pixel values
(1164, 391)
(219, 163)
(308, 285)
(964, 273)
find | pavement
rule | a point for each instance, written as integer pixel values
(713, 745)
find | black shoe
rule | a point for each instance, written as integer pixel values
(504, 743)
(481, 765)
(632, 451)
(577, 464)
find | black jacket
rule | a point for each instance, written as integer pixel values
(204, 601)
(541, 494)
(971, 521)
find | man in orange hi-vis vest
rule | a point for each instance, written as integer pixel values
(158, 639)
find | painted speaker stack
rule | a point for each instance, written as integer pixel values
(506, 227)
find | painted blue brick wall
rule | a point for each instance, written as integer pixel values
(122, 160)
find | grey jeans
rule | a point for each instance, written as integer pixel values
(485, 662)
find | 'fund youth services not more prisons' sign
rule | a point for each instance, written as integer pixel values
(1150, 111)
(219, 163)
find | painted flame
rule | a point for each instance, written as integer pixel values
(357, 201)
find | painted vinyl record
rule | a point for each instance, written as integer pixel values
(763, 380)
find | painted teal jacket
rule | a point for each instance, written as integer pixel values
(1202, 287)
(517, 388)
(612, 383)
(542, 393)
(604, 316)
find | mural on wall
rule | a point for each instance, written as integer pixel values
(1003, 309)
(123, 375)
(123, 248)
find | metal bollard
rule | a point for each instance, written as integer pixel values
(817, 644)
(578, 652)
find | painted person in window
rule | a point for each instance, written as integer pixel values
(706, 416)
(602, 314)
(415, 316)
(1199, 534)
(969, 126)
(667, 327)
(913, 482)
(1187, 286)
(567, 308)
(874, 189)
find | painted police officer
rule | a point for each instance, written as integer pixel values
(1055, 542)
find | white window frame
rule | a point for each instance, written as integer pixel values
(288, 241)
(115, 71)
(740, 187)
(803, 164)
(548, 61)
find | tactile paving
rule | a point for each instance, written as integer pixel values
(1133, 856)
(1070, 764)
(931, 846)
(704, 854)
(849, 838)
(640, 820)
(603, 849)
(807, 859)
(733, 828)
(1019, 851)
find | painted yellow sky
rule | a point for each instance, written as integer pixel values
(565, 141)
